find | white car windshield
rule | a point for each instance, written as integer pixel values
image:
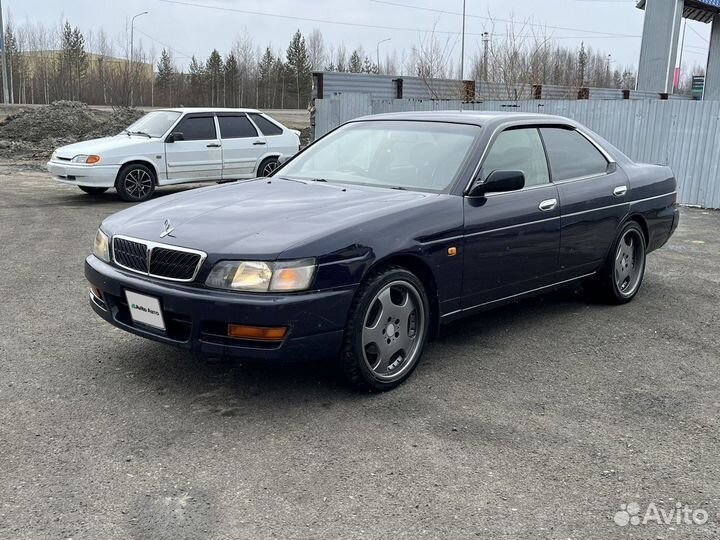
(154, 124)
(414, 155)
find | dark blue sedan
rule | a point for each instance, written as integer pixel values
(364, 244)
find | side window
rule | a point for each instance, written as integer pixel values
(236, 127)
(265, 125)
(571, 155)
(518, 150)
(197, 128)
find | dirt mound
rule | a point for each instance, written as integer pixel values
(36, 132)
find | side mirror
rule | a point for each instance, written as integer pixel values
(498, 181)
(175, 136)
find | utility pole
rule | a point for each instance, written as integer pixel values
(377, 50)
(462, 47)
(682, 48)
(132, 43)
(6, 93)
(486, 43)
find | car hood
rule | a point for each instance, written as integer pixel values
(260, 217)
(100, 146)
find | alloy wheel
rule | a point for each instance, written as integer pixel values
(138, 183)
(629, 262)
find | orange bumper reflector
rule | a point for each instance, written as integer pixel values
(257, 333)
(97, 293)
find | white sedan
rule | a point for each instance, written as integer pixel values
(174, 146)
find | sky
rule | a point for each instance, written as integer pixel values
(190, 27)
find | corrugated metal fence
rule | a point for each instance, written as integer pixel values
(682, 134)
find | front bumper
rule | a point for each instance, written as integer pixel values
(197, 318)
(83, 175)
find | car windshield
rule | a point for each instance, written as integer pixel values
(154, 124)
(424, 156)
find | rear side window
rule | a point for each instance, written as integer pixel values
(265, 125)
(197, 128)
(571, 155)
(518, 150)
(236, 127)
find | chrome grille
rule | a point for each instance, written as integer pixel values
(130, 255)
(157, 260)
(173, 264)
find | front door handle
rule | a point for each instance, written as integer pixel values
(547, 205)
(258, 143)
(213, 145)
(620, 191)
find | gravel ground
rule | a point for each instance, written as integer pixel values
(537, 420)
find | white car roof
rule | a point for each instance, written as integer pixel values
(207, 109)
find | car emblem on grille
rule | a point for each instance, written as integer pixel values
(168, 229)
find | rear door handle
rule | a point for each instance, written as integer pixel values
(213, 145)
(258, 143)
(620, 191)
(547, 205)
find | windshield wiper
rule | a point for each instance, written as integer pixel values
(399, 188)
(139, 133)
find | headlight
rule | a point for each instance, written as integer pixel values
(53, 156)
(82, 158)
(257, 276)
(101, 249)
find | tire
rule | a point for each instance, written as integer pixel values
(93, 190)
(621, 276)
(135, 183)
(386, 330)
(267, 166)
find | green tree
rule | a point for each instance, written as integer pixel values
(15, 63)
(265, 77)
(300, 70)
(356, 65)
(214, 69)
(582, 64)
(231, 72)
(165, 78)
(74, 61)
(198, 82)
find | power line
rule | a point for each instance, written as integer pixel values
(492, 19)
(698, 34)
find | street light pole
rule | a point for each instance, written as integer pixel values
(378, 51)
(132, 44)
(462, 47)
(6, 92)
(486, 42)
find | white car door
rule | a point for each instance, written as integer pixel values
(196, 152)
(280, 140)
(242, 145)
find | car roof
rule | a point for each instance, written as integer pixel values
(208, 109)
(479, 118)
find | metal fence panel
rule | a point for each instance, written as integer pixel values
(680, 133)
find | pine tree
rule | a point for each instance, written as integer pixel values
(198, 82)
(298, 63)
(582, 64)
(165, 77)
(355, 63)
(214, 69)
(369, 67)
(265, 72)
(231, 72)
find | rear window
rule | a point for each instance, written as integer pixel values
(236, 127)
(571, 155)
(197, 128)
(265, 125)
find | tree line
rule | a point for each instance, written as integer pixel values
(46, 64)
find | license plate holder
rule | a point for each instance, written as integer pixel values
(145, 310)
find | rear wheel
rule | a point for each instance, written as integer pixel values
(135, 183)
(386, 330)
(93, 190)
(620, 278)
(268, 166)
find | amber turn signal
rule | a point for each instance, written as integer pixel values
(92, 160)
(257, 333)
(452, 251)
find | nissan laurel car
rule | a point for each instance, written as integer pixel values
(175, 146)
(361, 246)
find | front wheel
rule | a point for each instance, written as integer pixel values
(386, 330)
(135, 183)
(620, 278)
(93, 190)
